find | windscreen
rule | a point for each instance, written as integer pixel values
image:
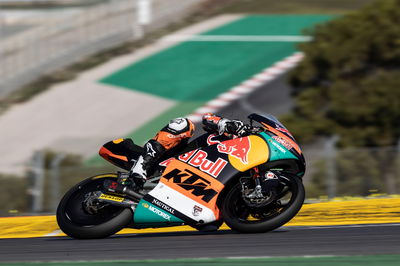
(272, 121)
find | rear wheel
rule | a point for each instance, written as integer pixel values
(79, 216)
(244, 217)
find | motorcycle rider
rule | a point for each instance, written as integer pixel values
(175, 132)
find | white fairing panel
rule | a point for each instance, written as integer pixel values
(183, 204)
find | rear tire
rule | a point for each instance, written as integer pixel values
(76, 222)
(242, 218)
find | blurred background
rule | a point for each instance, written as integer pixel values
(75, 74)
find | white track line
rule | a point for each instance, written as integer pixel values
(246, 86)
(286, 257)
(54, 233)
(236, 38)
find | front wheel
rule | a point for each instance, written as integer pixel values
(79, 217)
(242, 217)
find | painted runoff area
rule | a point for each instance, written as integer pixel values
(204, 66)
(348, 212)
(378, 260)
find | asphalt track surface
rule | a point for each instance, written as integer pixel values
(272, 98)
(286, 241)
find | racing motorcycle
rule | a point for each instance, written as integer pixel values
(252, 183)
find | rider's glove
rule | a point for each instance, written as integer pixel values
(243, 131)
(236, 127)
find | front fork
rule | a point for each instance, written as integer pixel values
(265, 182)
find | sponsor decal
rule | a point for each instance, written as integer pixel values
(198, 158)
(185, 157)
(182, 135)
(195, 184)
(211, 141)
(270, 175)
(110, 197)
(279, 147)
(163, 206)
(197, 210)
(212, 168)
(157, 211)
(282, 141)
(166, 162)
(284, 130)
(238, 148)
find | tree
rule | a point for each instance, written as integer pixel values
(349, 82)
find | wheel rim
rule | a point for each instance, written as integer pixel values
(76, 212)
(242, 213)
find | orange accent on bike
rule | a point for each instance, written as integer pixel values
(117, 141)
(194, 184)
(106, 154)
(280, 134)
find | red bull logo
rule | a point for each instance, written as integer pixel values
(238, 148)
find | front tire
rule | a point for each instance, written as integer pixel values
(75, 220)
(242, 218)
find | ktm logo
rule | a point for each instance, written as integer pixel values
(189, 181)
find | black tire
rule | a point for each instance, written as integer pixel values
(236, 212)
(74, 221)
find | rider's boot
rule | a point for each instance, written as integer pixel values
(138, 173)
(137, 176)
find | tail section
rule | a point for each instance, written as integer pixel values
(121, 152)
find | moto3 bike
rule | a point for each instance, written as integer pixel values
(252, 183)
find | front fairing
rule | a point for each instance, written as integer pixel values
(282, 143)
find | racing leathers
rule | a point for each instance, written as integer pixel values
(178, 130)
